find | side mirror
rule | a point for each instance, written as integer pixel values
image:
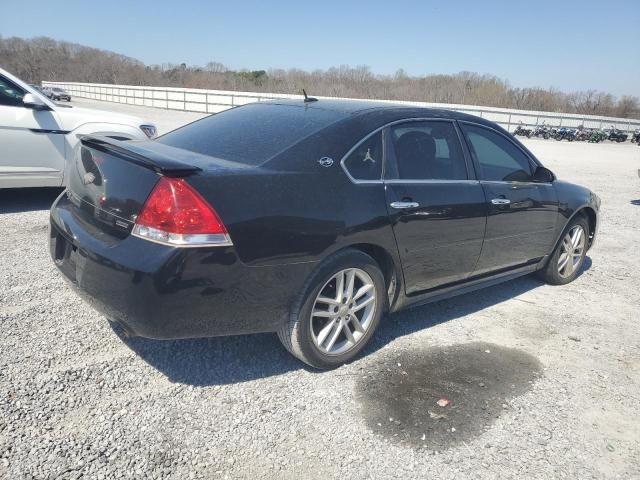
(543, 175)
(31, 101)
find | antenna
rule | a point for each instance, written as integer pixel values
(308, 99)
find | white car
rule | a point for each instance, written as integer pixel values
(38, 136)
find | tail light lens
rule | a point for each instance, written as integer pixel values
(175, 214)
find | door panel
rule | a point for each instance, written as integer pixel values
(522, 215)
(440, 240)
(438, 213)
(521, 230)
(33, 147)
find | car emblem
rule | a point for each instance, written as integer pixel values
(88, 178)
(326, 162)
(368, 157)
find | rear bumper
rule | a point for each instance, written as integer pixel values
(164, 292)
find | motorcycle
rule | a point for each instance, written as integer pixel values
(636, 137)
(565, 133)
(522, 131)
(583, 134)
(616, 135)
(597, 136)
(542, 131)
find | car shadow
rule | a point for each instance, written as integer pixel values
(242, 358)
(17, 200)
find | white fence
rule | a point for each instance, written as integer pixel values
(214, 101)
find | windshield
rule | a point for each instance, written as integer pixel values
(251, 134)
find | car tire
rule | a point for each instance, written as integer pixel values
(310, 338)
(556, 271)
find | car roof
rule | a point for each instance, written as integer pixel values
(396, 110)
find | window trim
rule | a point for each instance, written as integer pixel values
(384, 129)
(16, 86)
(533, 161)
(471, 177)
(354, 148)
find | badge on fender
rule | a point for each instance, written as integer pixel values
(326, 162)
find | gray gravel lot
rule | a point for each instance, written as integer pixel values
(543, 382)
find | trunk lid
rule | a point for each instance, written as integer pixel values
(109, 180)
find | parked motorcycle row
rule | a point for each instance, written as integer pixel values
(582, 134)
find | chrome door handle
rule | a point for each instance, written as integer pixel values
(405, 205)
(501, 201)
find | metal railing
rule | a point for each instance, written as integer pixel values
(214, 101)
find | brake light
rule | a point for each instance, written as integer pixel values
(175, 214)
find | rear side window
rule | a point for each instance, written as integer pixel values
(251, 134)
(365, 162)
(499, 159)
(427, 151)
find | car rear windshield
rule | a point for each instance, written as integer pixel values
(251, 134)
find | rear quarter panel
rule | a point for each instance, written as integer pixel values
(277, 217)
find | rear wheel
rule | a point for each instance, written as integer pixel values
(338, 311)
(567, 259)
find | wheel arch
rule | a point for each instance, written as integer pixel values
(389, 267)
(592, 220)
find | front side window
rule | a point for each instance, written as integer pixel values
(10, 94)
(428, 150)
(365, 162)
(499, 159)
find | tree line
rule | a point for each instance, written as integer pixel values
(45, 59)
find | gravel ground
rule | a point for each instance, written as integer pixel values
(543, 382)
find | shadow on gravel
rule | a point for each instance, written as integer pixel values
(473, 381)
(214, 361)
(223, 360)
(16, 200)
(419, 318)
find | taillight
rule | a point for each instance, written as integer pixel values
(175, 214)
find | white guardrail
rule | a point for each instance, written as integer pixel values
(214, 101)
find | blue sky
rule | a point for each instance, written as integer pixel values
(566, 44)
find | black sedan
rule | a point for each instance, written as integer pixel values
(310, 219)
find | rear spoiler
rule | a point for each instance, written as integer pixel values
(135, 152)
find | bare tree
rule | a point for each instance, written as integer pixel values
(42, 58)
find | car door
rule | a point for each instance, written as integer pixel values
(521, 223)
(437, 208)
(33, 146)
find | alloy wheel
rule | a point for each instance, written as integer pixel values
(571, 251)
(343, 311)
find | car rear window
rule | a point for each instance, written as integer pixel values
(251, 134)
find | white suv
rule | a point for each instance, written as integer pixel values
(38, 136)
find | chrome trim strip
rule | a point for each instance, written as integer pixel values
(379, 129)
(395, 181)
(504, 182)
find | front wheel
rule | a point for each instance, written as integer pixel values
(566, 260)
(337, 312)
